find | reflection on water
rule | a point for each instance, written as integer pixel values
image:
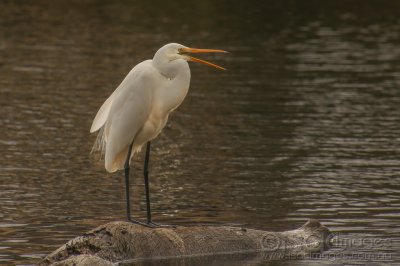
(303, 125)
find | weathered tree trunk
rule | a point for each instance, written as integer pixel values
(123, 241)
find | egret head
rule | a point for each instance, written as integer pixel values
(174, 51)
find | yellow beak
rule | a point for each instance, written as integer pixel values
(194, 59)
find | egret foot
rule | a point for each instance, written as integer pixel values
(140, 223)
(155, 225)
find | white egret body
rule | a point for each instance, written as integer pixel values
(138, 109)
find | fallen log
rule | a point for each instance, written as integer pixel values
(124, 241)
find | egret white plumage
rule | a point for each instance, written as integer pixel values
(137, 111)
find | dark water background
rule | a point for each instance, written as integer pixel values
(304, 124)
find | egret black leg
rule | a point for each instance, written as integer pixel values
(146, 184)
(146, 181)
(127, 188)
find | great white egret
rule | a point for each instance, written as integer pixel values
(138, 110)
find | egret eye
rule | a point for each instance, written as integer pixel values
(181, 51)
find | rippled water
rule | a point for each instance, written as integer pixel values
(304, 124)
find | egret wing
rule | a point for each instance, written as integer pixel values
(102, 114)
(129, 111)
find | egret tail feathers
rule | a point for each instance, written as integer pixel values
(99, 145)
(99, 148)
(102, 114)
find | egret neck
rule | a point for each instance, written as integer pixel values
(177, 74)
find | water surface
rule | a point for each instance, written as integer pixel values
(304, 124)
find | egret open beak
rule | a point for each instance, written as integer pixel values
(194, 59)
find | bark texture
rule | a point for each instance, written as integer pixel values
(124, 241)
